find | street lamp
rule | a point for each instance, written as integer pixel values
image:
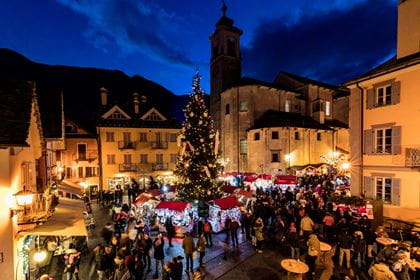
(288, 158)
(23, 198)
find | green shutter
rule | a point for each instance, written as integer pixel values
(370, 98)
(395, 92)
(396, 140)
(395, 191)
(368, 141)
(368, 186)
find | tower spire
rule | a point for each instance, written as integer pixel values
(224, 8)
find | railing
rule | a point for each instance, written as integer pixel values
(159, 145)
(38, 211)
(90, 156)
(159, 166)
(123, 145)
(144, 167)
(128, 167)
(412, 157)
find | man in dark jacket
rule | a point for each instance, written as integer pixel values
(189, 248)
(234, 225)
(345, 242)
(104, 261)
(227, 228)
(147, 247)
(170, 230)
(107, 233)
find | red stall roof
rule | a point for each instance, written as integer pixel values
(286, 177)
(228, 189)
(284, 182)
(246, 174)
(154, 192)
(172, 205)
(227, 202)
(265, 176)
(250, 179)
(244, 193)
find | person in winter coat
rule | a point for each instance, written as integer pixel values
(294, 241)
(170, 230)
(189, 248)
(381, 271)
(345, 243)
(159, 254)
(207, 229)
(234, 225)
(107, 233)
(201, 248)
(228, 220)
(104, 261)
(176, 268)
(314, 250)
(72, 260)
(359, 247)
(147, 248)
(258, 228)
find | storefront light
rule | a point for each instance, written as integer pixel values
(40, 256)
(345, 165)
(164, 188)
(24, 198)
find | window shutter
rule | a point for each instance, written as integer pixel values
(368, 141)
(396, 140)
(368, 186)
(370, 98)
(395, 92)
(395, 191)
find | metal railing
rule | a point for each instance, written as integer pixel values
(159, 145)
(407, 156)
(123, 145)
(159, 166)
(90, 156)
(127, 167)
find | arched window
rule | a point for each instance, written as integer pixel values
(231, 46)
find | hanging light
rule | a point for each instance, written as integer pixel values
(24, 198)
(40, 256)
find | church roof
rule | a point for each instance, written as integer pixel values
(15, 112)
(247, 81)
(273, 118)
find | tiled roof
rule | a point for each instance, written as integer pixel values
(336, 123)
(392, 64)
(273, 118)
(15, 112)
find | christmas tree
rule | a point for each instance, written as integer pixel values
(198, 164)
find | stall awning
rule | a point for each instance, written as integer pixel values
(244, 193)
(286, 177)
(70, 187)
(172, 205)
(141, 199)
(284, 182)
(228, 189)
(154, 192)
(67, 220)
(250, 179)
(227, 202)
(265, 176)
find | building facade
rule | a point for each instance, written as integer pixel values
(249, 112)
(135, 144)
(385, 139)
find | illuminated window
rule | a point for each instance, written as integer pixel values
(110, 137)
(383, 140)
(243, 106)
(383, 188)
(287, 106)
(327, 108)
(243, 147)
(383, 95)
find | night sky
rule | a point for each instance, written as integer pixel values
(165, 40)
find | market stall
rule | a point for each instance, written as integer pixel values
(244, 197)
(228, 189)
(222, 208)
(359, 207)
(180, 213)
(285, 181)
(263, 181)
(145, 205)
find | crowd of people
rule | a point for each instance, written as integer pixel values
(294, 222)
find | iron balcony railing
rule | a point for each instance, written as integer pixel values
(127, 167)
(124, 145)
(159, 145)
(159, 166)
(37, 211)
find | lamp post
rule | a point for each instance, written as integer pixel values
(24, 198)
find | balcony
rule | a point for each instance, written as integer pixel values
(90, 156)
(128, 167)
(412, 157)
(144, 167)
(39, 211)
(159, 145)
(125, 145)
(159, 166)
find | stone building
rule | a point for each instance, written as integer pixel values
(262, 124)
(384, 133)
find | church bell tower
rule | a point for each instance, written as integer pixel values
(225, 62)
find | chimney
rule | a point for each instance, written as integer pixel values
(136, 103)
(104, 96)
(408, 28)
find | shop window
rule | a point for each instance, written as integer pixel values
(256, 136)
(243, 147)
(275, 135)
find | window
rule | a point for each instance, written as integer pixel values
(116, 116)
(58, 155)
(274, 135)
(383, 188)
(127, 137)
(174, 158)
(275, 156)
(327, 108)
(81, 151)
(159, 158)
(256, 136)
(243, 147)
(143, 158)
(383, 140)
(243, 106)
(287, 106)
(110, 159)
(231, 46)
(143, 137)
(110, 137)
(172, 137)
(153, 116)
(127, 159)
(297, 135)
(81, 172)
(227, 109)
(318, 136)
(68, 129)
(90, 171)
(68, 172)
(316, 107)
(26, 174)
(383, 95)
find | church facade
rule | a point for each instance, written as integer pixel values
(275, 127)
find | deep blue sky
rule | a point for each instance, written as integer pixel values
(164, 40)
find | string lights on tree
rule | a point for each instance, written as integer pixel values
(199, 164)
